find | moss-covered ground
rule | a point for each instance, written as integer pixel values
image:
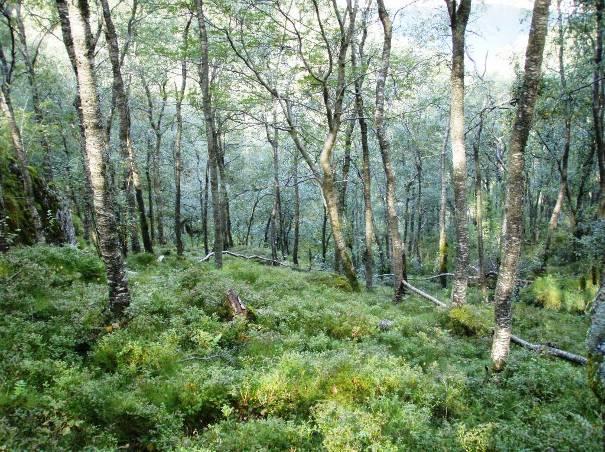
(312, 369)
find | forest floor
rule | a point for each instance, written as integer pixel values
(310, 370)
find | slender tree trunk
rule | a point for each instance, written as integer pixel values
(79, 38)
(126, 145)
(412, 225)
(596, 347)
(459, 15)
(325, 159)
(419, 208)
(296, 212)
(398, 266)
(178, 160)
(366, 179)
(512, 228)
(331, 205)
(598, 100)
(157, 189)
(276, 211)
(90, 223)
(205, 211)
(342, 195)
(4, 238)
(154, 159)
(211, 136)
(226, 215)
(479, 210)
(442, 214)
(563, 163)
(148, 165)
(251, 219)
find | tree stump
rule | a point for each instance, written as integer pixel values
(235, 304)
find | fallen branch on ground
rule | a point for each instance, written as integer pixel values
(539, 348)
(425, 295)
(547, 349)
(253, 257)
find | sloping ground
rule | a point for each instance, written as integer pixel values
(311, 370)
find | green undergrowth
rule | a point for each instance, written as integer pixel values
(559, 293)
(314, 369)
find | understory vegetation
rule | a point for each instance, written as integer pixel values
(315, 367)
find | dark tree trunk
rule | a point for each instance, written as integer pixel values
(154, 159)
(211, 136)
(598, 100)
(178, 160)
(365, 173)
(398, 265)
(296, 213)
(126, 145)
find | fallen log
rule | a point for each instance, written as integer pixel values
(243, 256)
(548, 350)
(425, 295)
(208, 256)
(539, 348)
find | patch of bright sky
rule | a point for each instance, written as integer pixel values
(496, 35)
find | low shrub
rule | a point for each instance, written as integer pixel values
(470, 320)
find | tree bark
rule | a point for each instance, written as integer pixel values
(398, 266)
(342, 193)
(276, 211)
(596, 346)
(148, 169)
(205, 210)
(224, 194)
(365, 151)
(178, 160)
(156, 125)
(90, 223)
(598, 100)
(296, 212)
(479, 210)
(126, 146)
(442, 213)
(96, 150)
(512, 227)
(459, 15)
(211, 136)
(418, 208)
